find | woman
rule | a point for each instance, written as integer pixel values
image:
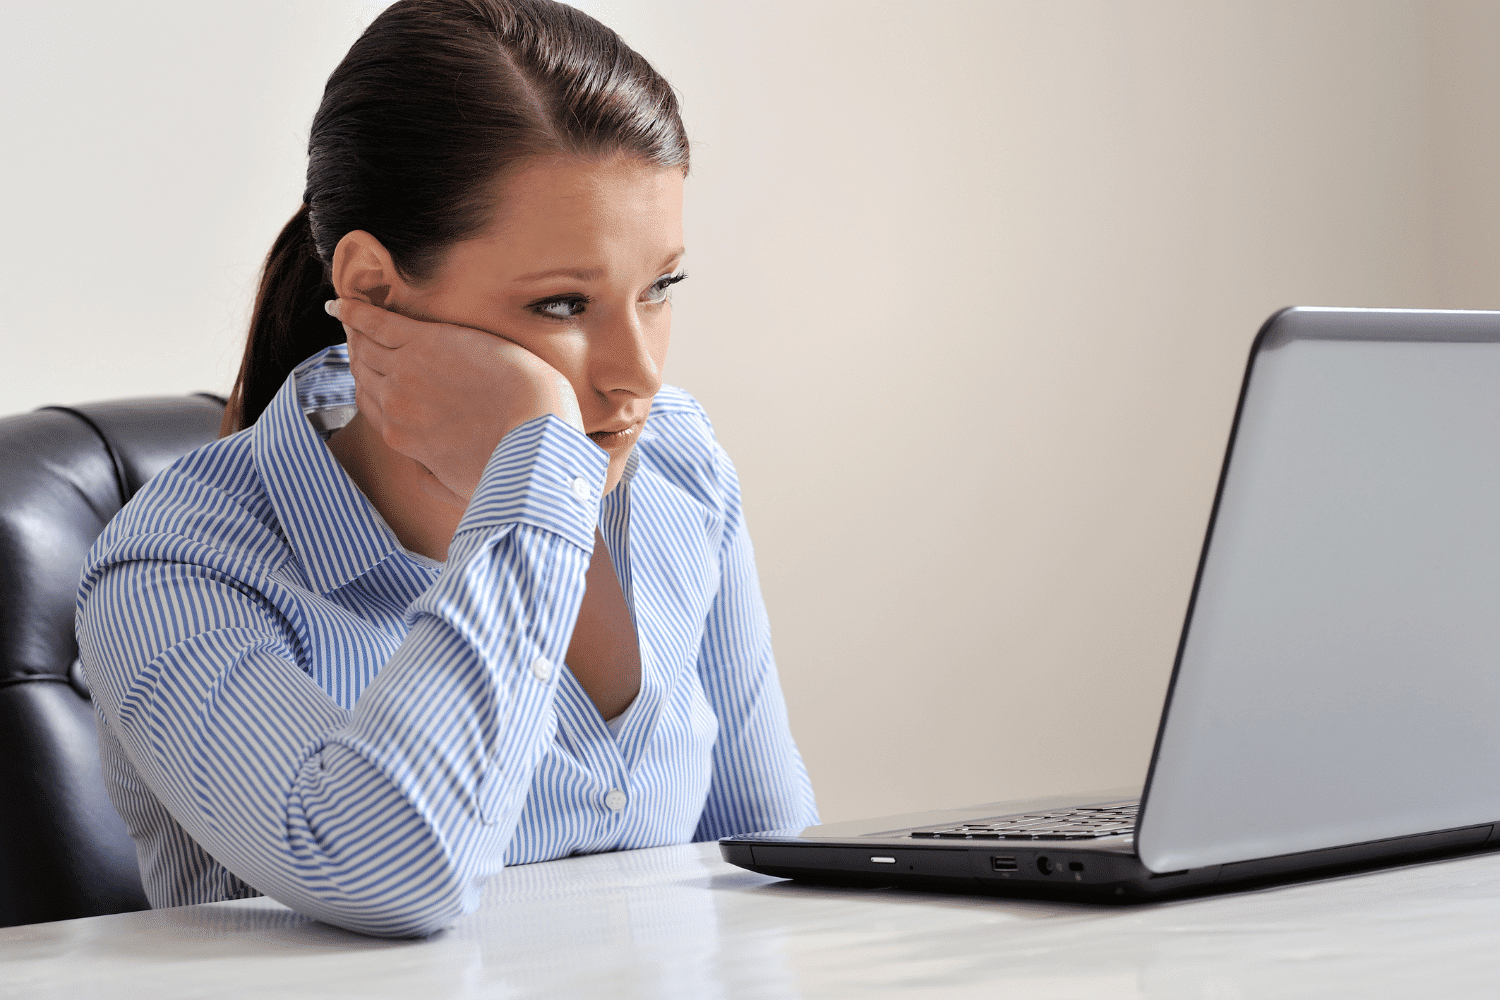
(474, 588)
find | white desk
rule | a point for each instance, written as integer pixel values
(677, 922)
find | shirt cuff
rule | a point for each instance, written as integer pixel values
(544, 473)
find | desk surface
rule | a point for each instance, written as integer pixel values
(677, 922)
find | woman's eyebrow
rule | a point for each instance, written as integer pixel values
(588, 274)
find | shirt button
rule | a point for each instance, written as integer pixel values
(615, 800)
(581, 490)
(542, 667)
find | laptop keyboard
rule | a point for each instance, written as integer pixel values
(1112, 819)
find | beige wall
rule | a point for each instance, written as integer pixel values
(153, 150)
(1465, 140)
(972, 288)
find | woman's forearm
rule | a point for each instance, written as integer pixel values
(380, 819)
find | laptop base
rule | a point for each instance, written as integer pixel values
(1101, 872)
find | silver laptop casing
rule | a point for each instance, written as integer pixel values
(1336, 693)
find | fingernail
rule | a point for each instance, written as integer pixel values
(331, 307)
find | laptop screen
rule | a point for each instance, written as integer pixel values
(1339, 676)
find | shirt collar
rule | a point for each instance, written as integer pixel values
(330, 525)
(631, 461)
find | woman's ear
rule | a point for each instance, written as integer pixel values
(363, 269)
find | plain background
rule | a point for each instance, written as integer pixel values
(973, 283)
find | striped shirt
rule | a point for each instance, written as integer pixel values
(291, 703)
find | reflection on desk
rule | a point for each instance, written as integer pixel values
(678, 922)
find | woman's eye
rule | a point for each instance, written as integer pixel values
(572, 306)
(660, 290)
(564, 308)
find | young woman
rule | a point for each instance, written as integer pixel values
(474, 588)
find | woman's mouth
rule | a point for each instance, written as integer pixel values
(614, 440)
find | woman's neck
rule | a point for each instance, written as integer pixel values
(393, 483)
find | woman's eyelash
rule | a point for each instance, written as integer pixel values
(660, 286)
(670, 280)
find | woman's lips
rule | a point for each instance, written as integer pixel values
(615, 440)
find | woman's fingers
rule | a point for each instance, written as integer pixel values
(444, 395)
(379, 325)
(368, 356)
(368, 402)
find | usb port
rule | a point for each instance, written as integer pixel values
(1003, 864)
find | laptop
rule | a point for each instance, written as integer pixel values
(1335, 700)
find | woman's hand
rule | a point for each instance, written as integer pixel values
(445, 395)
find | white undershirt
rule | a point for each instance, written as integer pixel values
(618, 722)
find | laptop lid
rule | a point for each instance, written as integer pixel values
(1338, 676)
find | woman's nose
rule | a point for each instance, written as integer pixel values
(629, 356)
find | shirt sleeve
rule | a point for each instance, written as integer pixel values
(759, 781)
(383, 819)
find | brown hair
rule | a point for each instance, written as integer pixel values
(432, 103)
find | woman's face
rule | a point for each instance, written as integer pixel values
(576, 267)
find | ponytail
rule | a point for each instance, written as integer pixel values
(287, 326)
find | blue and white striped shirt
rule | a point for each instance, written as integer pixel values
(291, 703)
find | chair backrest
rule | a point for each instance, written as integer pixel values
(64, 472)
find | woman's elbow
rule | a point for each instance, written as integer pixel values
(415, 912)
(412, 900)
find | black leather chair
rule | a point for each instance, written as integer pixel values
(64, 472)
